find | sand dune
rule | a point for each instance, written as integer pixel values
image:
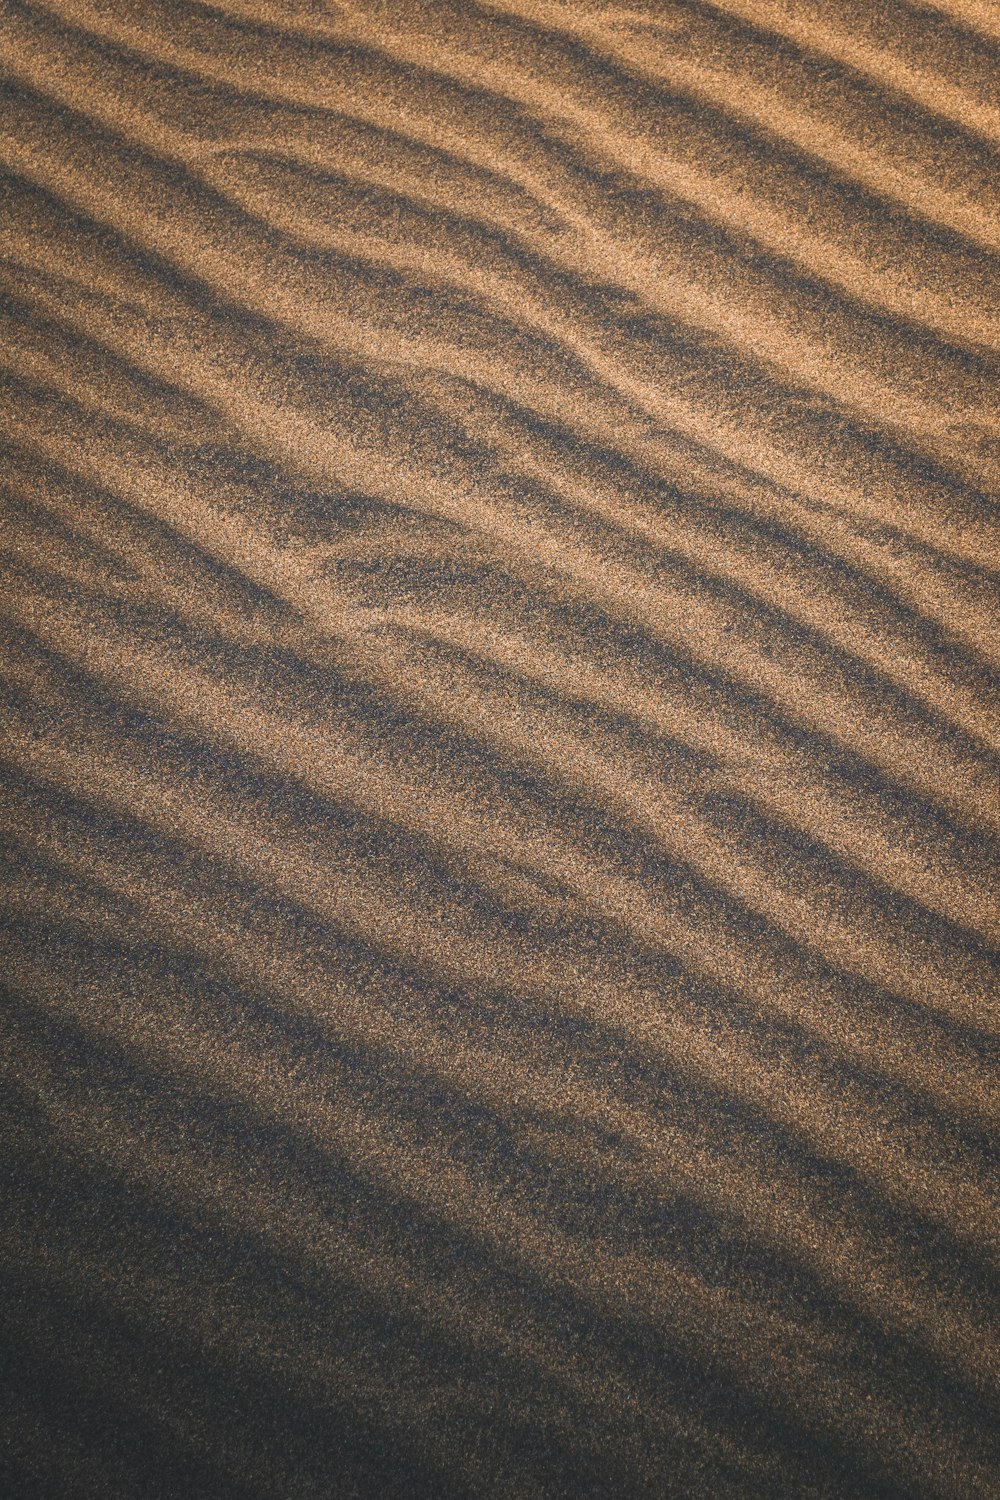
(500, 578)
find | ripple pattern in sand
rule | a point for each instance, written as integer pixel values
(500, 913)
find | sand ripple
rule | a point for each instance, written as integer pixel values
(500, 582)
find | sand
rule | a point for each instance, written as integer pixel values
(499, 587)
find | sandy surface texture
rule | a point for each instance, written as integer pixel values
(499, 581)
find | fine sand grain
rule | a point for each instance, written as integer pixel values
(501, 775)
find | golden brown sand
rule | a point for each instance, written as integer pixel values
(499, 607)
